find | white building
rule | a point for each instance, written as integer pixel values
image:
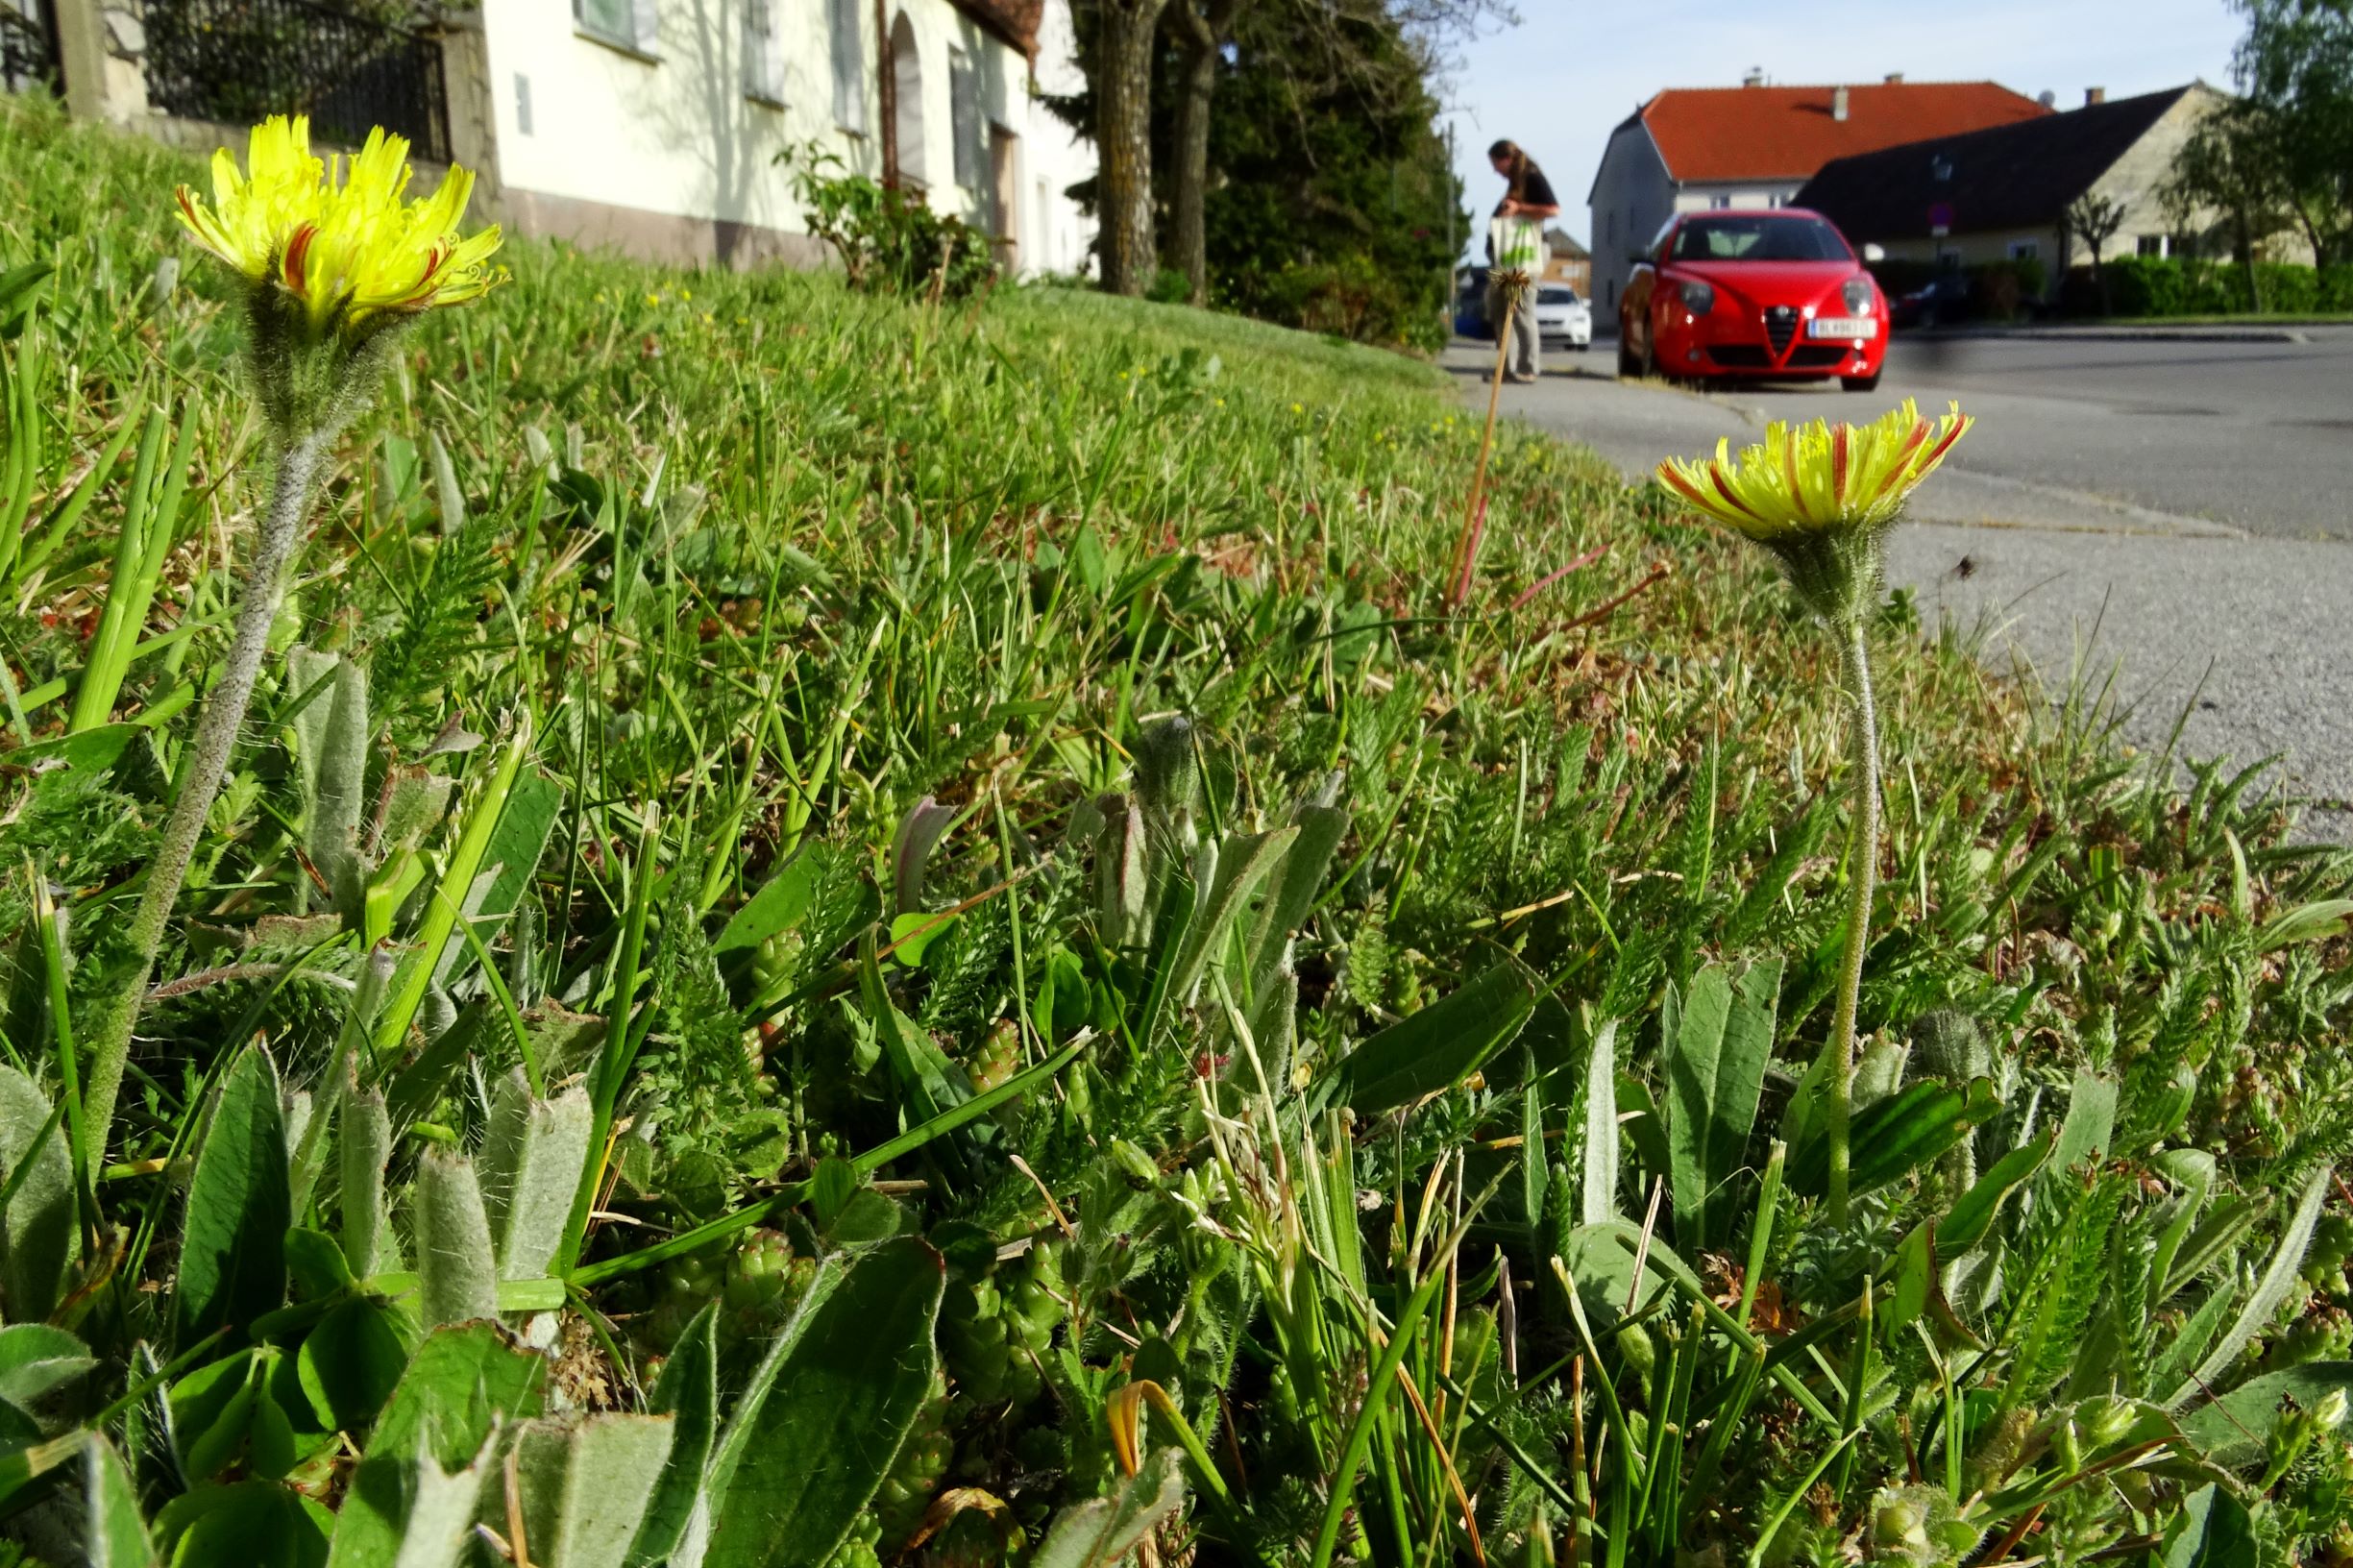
(653, 126)
(657, 125)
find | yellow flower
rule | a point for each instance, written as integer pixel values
(1817, 478)
(337, 234)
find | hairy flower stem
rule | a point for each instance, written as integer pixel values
(201, 767)
(1475, 515)
(1862, 872)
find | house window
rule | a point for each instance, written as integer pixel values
(849, 67)
(2151, 246)
(964, 118)
(1940, 169)
(1718, 203)
(763, 52)
(2026, 250)
(907, 105)
(625, 24)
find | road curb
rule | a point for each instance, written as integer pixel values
(2112, 335)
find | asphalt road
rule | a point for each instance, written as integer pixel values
(2175, 514)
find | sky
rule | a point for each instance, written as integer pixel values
(1572, 69)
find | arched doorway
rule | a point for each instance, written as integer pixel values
(907, 89)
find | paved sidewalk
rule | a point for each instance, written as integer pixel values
(2284, 329)
(2245, 631)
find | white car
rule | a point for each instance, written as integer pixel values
(1564, 320)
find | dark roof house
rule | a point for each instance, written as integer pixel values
(2006, 178)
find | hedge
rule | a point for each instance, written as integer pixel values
(2194, 287)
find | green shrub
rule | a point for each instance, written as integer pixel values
(889, 240)
(2140, 285)
(1350, 297)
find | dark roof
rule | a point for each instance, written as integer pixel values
(2019, 176)
(1016, 21)
(1560, 244)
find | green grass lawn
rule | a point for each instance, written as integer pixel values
(1110, 985)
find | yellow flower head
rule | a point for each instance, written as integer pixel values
(337, 234)
(1822, 497)
(1817, 478)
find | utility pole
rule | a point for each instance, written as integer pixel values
(886, 92)
(1453, 246)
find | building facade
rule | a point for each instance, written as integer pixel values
(1754, 145)
(669, 129)
(1566, 261)
(2003, 193)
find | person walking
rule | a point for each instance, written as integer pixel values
(1515, 243)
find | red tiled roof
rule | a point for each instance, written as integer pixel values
(1716, 133)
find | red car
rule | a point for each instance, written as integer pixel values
(1776, 293)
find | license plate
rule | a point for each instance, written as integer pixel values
(1841, 326)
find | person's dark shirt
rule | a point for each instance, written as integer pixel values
(1534, 190)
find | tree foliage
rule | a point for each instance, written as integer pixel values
(2278, 159)
(1326, 196)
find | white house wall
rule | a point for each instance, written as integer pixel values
(1058, 235)
(1699, 197)
(665, 153)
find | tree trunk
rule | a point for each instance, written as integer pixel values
(1123, 143)
(1200, 36)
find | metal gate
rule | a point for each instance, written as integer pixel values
(238, 61)
(28, 46)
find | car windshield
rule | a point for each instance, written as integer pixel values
(1556, 296)
(1759, 240)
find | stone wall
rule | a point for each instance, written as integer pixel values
(102, 53)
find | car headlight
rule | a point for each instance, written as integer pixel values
(1858, 296)
(1698, 298)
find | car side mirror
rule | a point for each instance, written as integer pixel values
(1874, 253)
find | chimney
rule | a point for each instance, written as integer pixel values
(2095, 95)
(1838, 102)
(1895, 79)
(1756, 77)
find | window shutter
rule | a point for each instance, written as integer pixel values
(964, 92)
(763, 60)
(849, 67)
